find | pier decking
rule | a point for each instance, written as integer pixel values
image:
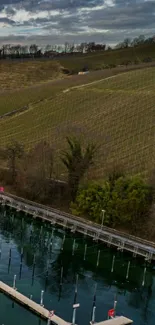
(30, 304)
(44, 313)
(107, 235)
(116, 321)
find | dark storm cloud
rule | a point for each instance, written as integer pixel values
(7, 21)
(128, 17)
(36, 5)
(81, 20)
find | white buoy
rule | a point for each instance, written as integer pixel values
(85, 251)
(112, 266)
(98, 258)
(144, 274)
(128, 268)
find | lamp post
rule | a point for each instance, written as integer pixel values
(103, 216)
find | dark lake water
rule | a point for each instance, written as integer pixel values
(57, 252)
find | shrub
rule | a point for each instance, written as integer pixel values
(127, 202)
(91, 200)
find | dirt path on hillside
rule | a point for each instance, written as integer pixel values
(76, 80)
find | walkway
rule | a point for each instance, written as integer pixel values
(107, 235)
(44, 313)
(30, 304)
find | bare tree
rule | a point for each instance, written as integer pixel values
(33, 49)
(36, 171)
(127, 42)
(14, 151)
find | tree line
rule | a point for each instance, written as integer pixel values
(127, 200)
(34, 51)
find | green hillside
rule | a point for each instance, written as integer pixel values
(116, 113)
(109, 58)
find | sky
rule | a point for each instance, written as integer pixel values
(75, 21)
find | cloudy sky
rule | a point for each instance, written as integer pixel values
(56, 21)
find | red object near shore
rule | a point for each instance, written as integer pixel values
(1, 189)
(111, 313)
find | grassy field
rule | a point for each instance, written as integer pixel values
(117, 113)
(99, 60)
(17, 75)
(14, 99)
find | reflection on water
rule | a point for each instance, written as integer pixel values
(49, 259)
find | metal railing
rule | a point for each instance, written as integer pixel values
(109, 236)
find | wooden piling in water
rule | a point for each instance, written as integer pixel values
(30, 304)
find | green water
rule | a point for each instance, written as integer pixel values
(20, 233)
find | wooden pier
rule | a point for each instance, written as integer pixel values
(116, 321)
(44, 313)
(111, 237)
(30, 304)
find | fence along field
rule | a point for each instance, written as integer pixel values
(117, 114)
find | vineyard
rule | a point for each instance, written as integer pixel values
(116, 113)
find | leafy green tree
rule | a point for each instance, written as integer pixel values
(77, 163)
(139, 202)
(127, 203)
(91, 201)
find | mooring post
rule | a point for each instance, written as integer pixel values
(48, 321)
(33, 269)
(113, 262)
(0, 249)
(75, 306)
(31, 297)
(41, 298)
(93, 315)
(76, 289)
(98, 258)
(115, 304)
(30, 235)
(46, 279)
(20, 271)
(9, 260)
(85, 251)
(14, 283)
(51, 313)
(94, 307)
(63, 241)
(21, 256)
(73, 247)
(60, 284)
(51, 242)
(61, 276)
(128, 268)
(144, 275)
(22, 223)
(41, 229)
